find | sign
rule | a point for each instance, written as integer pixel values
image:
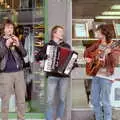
(80, 30)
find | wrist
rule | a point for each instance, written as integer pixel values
(7, 45)
(17, 45)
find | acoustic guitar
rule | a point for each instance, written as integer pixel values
(93, 66)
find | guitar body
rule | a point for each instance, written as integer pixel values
(93, 67)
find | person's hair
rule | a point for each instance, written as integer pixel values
(107, 31)
(54, 30)
(7, 22)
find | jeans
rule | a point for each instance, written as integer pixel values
(100, 98)
(58, 84)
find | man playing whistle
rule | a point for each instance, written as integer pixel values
(11, 68)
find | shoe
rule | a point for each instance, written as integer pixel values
(58, 119)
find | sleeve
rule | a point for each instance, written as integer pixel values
(3, 49)
(41, 55)
(21, 50)
(116, 55)
(88, 52)
(68, 46)
(112, 60)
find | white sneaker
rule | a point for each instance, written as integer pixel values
(58, 119)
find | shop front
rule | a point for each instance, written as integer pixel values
(86, 16)
(29, 17)
(33, 22)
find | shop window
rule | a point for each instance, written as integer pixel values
(83, 36)
(29, 18)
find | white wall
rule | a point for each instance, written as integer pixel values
(60, 13)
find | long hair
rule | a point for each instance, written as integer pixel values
(5, 22)
(107, 31)
(54, 30)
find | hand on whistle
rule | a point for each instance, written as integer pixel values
(15, 41)
(9, 42)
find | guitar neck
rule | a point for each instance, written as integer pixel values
(103, 53)
(115, 44)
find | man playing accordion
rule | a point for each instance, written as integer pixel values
(55, 80)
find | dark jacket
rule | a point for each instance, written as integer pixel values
(111, 59)
(18, 54)
(41, 55)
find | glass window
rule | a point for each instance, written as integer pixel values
(29, 18)
(81, 82)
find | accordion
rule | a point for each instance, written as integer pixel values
(60, 59)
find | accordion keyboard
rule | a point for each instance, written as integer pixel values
(50, 61)
(70, 63)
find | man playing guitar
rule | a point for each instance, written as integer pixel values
(101, 58)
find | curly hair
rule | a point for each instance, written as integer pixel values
(107, 31)
(5, 22)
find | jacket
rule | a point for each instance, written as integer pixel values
(41, 55)
(111, 59)
(18, 54)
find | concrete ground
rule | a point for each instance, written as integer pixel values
(81, 110)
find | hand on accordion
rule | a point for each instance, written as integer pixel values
(75, 65)
(39, 56)
(45, 57)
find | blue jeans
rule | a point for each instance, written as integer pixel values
(100, 98)
(56, 84)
